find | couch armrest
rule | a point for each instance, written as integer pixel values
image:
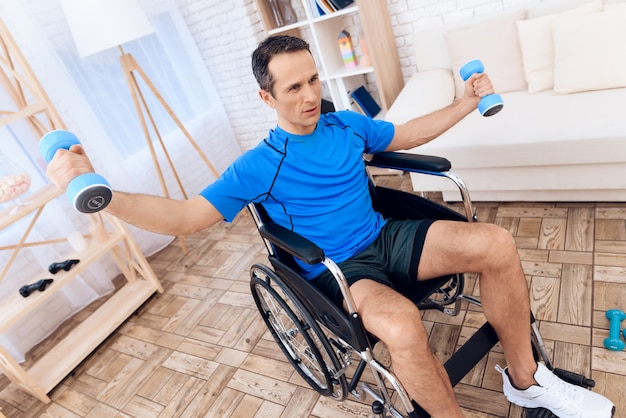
(424, 93)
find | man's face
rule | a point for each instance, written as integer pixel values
(297, 92)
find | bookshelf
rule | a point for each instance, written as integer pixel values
(322, 33)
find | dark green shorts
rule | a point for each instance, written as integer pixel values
(392, 259)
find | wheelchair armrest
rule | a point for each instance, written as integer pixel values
(291, 242)
(411, 162)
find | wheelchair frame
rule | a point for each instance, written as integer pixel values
(320, 340)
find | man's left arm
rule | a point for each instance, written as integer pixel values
(425, 128)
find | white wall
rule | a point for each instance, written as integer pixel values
(228, 31)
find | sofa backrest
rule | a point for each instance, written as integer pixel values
(431, 50)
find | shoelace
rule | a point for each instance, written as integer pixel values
(563, 389)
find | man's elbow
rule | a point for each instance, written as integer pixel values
(198, 214)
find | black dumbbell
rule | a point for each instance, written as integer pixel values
(40, 285)
(66, 265)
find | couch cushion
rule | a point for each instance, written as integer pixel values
(535, 37)
(589, 51)
(615, 6)
(495, 43)
(538, 129)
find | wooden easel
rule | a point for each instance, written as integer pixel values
(130, 67)
(109, 236)
(20, 82)
(31, 104)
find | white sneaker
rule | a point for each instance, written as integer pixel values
(561, 398)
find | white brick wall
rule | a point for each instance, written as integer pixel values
(227, 32)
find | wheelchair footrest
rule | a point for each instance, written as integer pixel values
(539, 413)
(574, 378)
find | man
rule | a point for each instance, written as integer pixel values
(309, 176)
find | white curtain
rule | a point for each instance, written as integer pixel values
(94, 101)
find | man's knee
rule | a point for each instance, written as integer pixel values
(402, 327)
(500, 241)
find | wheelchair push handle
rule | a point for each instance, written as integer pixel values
(490, 104)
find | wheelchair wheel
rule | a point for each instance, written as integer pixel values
(298, 335)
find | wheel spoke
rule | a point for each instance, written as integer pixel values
(297, 333)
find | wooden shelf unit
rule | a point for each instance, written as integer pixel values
(113, 238)
(377, 30)
(110, 237)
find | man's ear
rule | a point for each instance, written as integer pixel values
(267, 97)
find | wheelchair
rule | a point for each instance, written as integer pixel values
(328, 346)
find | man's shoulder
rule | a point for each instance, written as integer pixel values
(261, 156)
(349, 118)
(341, 117)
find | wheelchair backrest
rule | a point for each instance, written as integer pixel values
(400, 205)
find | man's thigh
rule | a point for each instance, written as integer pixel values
(456, 247)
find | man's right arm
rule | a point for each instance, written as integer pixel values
(163, 215)
(153, 213)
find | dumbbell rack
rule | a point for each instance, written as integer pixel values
(113, 239)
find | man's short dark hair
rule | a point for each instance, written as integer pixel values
(269, 48)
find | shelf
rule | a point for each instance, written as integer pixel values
(82, 340)
(15, 307)
(343, 72)
(339, 13)
(141, 282)
(32, 203)
(304, 23)
(287, 28)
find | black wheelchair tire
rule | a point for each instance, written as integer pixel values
(318, 351)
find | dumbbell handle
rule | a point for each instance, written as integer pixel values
(490, 104)
(88, 192)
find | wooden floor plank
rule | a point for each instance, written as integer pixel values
(201, 349)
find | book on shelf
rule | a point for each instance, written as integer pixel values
(365, 102)
(276, 13)
(315, 9)
(325, 6)
(355, 106)
(340, 4)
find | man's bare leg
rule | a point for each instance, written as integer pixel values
(397, 322)
(489, 250)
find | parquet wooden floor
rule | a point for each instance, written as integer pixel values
(200, 349)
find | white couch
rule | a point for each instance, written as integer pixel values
(561, 71)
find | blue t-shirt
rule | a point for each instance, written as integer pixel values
(315, 184)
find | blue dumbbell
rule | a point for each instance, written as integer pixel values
(88, 192)
(613, 341)
(490, 104)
